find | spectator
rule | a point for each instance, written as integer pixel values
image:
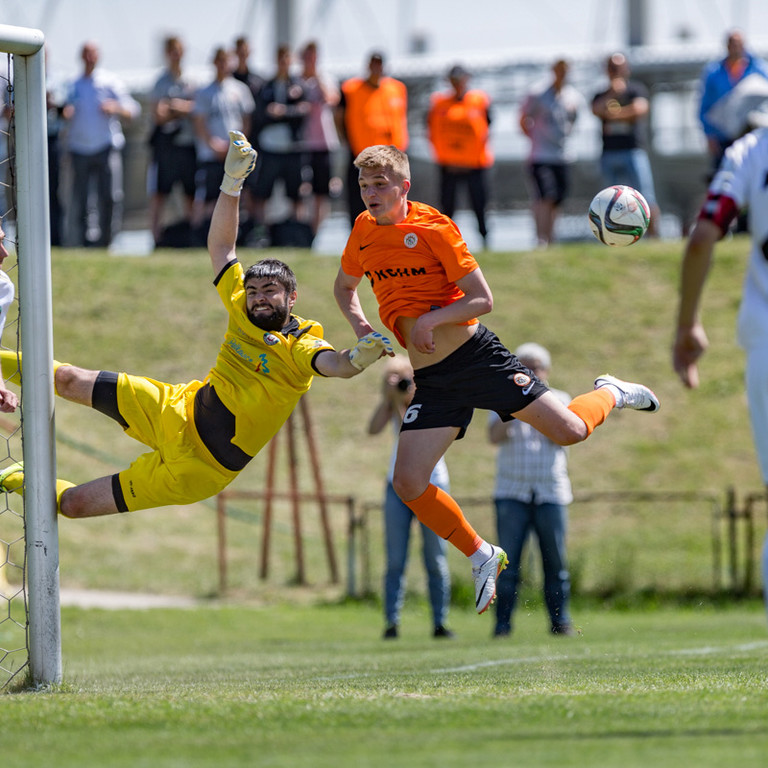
(623, 110)
(532, 495)
(173, 143)
(55, 97)
(458, 125)
(96, 103)
(396, 396)
(738, 184)
(372, 110)
(242, 72)
(223, 105)
(319, 138)
(546, 118)
(718, 80)
(281, 110)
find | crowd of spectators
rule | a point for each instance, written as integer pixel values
(301, 119)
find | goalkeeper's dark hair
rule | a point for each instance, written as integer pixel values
(273, 268)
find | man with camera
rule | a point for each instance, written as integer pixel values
(396, 395)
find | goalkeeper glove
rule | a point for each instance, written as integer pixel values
(369, 349)
(239, 162)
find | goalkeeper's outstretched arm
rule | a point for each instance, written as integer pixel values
(222, 235)
(350, 362)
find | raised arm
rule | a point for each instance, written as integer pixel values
(222, 235)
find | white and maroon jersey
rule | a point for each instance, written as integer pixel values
(742, 182)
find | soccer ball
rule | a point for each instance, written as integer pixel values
(619, 215)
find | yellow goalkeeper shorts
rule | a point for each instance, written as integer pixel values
(179, 469)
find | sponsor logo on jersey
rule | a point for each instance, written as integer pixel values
(238, 350)
(385, 274)
(263, 366)
(411, 240)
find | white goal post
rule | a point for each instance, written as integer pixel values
(36, 329)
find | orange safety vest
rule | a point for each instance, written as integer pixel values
(375, 114)
(458, 129)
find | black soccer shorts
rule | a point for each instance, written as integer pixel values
(481, 373)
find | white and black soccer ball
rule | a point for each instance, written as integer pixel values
(619, 215)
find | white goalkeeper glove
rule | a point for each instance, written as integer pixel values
(369, 349)
(239, 162)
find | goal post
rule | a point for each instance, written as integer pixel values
(36, 330)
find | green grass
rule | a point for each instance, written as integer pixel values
(598, 309)
(317, 686)
(274, 676)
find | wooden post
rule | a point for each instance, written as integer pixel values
(267, 528)
(296, 512)
(221, 519)
(319, 489)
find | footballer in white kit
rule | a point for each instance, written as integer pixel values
(740, 182)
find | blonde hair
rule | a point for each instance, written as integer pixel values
(387, 157)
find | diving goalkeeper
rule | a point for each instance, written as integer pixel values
(202, 434)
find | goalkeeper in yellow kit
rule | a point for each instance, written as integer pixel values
(202, 434)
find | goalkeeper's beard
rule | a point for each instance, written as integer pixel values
(274, 321)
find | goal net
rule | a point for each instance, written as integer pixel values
(30, 624)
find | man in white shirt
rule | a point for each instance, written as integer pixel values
(532, 494)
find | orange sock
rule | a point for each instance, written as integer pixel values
(593, 407)
(439, 512)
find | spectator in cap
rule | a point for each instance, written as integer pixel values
(458, 126)
(371, 110)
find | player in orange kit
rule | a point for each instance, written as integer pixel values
(430, 292)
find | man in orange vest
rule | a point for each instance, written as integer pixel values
(458, 125)
(372, 110)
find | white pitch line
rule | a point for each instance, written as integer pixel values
(703, 651)
(708, 650)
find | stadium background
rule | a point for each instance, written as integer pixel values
(508, 47)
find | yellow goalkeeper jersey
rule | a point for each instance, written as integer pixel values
(260, 375)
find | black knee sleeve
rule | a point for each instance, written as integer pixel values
(104, 398)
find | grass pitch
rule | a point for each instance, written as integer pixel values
(316, 686)
(597, 309)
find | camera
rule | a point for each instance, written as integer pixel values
(404, 384)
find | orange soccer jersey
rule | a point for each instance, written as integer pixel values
(412, 266)
(459, 129)
(375, 114)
